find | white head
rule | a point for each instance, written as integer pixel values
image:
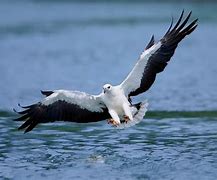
(107, 88)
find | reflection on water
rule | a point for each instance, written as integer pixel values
(154, 149)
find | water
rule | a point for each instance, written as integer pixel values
(154, 149)
(72, 45)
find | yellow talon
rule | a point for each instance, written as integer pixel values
(126, 118)
(113, 122)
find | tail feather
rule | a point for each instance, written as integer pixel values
(138, 111)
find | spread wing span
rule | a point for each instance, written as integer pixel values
(63, 105)
(156, 56)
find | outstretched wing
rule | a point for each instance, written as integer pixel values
(64, 105)
(155, 57)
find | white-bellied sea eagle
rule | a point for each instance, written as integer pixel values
(114, 103)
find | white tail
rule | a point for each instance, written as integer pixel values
(137, 116)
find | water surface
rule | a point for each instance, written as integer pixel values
(153, 149)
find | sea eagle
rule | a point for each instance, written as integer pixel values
(114, 103)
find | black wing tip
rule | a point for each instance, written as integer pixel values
(29, 124)
(26, 107)
(186, 20)
(46, 93)
(151, 42)
(180, 29)
(152, 39)
(171, 24)
(24, 132)
(14, 110)
(27, 115)
(22, 113)
(28, 128)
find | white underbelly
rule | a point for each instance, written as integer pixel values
(117, 105)
(118, 108)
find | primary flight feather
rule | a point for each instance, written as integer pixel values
(114, 103)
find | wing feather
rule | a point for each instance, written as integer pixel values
(151, 43)
(47, 93)
(62, 105)
(156, 56)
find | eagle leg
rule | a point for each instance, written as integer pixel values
(113, 122)
(126, 118)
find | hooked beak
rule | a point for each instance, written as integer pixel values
(104, 90)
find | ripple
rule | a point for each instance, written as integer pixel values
(165, 147)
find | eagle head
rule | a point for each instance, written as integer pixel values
(107, 88)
